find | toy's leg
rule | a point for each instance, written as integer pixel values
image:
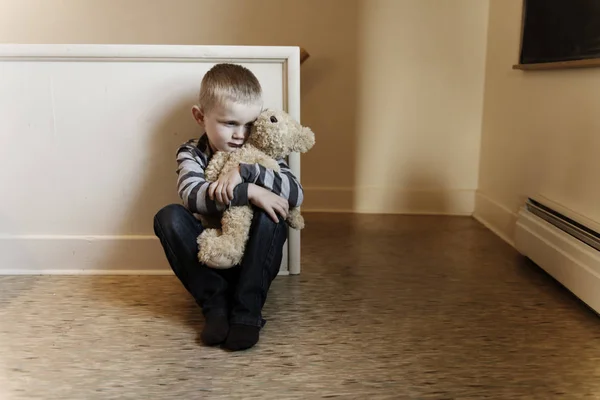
(226, 249)
(295, 219)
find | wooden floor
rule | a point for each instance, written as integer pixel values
(387, 307)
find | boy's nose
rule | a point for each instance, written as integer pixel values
(240, 132)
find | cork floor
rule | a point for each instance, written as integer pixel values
(387, 307)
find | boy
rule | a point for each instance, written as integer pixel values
(231, 299)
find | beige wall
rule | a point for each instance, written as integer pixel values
(540, 131)
(393, 88)
(420, 105)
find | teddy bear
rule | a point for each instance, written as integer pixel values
(274, 135)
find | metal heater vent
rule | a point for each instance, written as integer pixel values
(564, 223)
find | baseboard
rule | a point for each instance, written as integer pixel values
(572, 263)
(124, 272)
(332, 200)
(378, 200)
(85, 255)
(495, 217)
(66, 254)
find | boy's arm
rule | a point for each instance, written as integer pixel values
(282, 183)
(192, 185)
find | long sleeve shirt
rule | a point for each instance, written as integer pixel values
(193, 158)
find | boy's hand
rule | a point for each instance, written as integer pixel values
(222, 189)
(268, 201)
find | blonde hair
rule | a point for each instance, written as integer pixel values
(228, 82)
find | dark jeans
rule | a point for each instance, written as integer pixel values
(239, 292)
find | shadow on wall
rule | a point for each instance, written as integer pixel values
(176, 126)
(426, 196)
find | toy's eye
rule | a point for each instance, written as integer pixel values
(273, 119)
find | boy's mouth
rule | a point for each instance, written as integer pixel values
(234, 145)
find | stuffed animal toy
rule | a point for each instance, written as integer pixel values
(274, 135)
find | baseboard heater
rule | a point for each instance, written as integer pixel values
(563, 246)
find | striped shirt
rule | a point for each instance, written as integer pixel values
(193, 158)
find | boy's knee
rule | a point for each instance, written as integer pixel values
(168, 218)
(264, 220)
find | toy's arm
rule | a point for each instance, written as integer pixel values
(192, 184)
(282, 182)
(216, 164)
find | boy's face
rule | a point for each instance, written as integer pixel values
(227, 125)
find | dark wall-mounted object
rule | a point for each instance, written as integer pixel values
(561, 32)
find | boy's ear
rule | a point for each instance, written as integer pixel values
(198, 114)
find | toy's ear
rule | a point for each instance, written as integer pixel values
(304, 140)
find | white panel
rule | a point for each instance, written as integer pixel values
(571, 262)
(88, 134)
(83, 139)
